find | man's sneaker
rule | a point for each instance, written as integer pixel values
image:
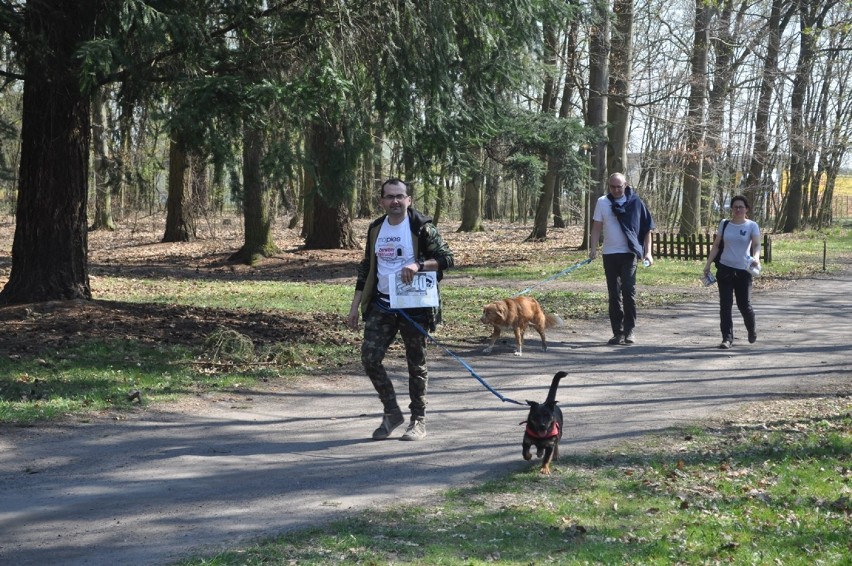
(389, 422)
(725, 345)
(630, 338)
(416, 430)
(752, 337)
(617, 339)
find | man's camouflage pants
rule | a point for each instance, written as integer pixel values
(380, 330)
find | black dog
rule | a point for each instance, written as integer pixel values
(544, 427)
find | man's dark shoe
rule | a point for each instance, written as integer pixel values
(630, 338)
(725, 345)
(752, 337)
(389, 422)
(617, 339)
(415, 431)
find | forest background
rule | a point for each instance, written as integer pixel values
(293, 112)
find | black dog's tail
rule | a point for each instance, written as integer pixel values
(554, 385)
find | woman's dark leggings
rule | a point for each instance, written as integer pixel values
(734, 283)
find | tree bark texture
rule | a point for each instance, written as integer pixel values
(792, 217)
(755, 184)
(471, 212)
(596, 115)
(180, 219)
(548, 106)
(598, 102)
(50, 247)
(103, 187)
(331, 166)
(716, 169)
(258, 202)
(620, 77)
(690, 219)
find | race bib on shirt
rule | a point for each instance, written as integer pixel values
(394, 250)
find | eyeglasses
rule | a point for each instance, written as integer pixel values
(616, 186)
(395, 197)
(738, 207)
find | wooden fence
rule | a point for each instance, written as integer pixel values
(677, 246)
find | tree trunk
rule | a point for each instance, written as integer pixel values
(798, 144)
(690, 220)
(50, 246)
(471, 212)
(103, 187)
(378, 179)
(545, 202)
(258, 202)
(331, 168)
(123, 163)
(336, 231)
(441, 198)
(492, 190)
(716, 170)
(180, 218)
(558, 221)
(755, 186)
(548, 105)
(620, 77)
(596, 116)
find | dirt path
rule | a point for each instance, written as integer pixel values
(161, 485)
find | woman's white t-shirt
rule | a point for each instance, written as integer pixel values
(738, 240)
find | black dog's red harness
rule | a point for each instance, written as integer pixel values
(552, 432)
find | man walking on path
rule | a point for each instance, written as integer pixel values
(626, 224)
(403, 242)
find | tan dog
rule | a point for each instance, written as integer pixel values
(517, 314)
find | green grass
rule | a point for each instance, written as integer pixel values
(754, 493)
(242, 294)
(98, 376)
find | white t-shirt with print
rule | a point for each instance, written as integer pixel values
(394, 250)
(738, 240)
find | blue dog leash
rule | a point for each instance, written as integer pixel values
(423, 331)
(472, 372)
(562, 273)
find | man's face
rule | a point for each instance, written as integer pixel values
(616, 187)
(395, 199)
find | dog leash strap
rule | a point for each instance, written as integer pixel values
(423, 331)
(562, 273)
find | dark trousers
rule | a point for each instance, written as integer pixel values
(380, 330)
(620, 271)
(734, 283)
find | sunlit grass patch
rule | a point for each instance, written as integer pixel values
(242, 294)
(758, 492)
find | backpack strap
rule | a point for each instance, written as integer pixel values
(721, 243)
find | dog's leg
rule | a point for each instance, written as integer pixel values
(526, 449)
(543, 339)
(545, 463)
(495, 334)
(519, 340)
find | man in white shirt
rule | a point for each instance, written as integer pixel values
(402, 241)
(626, 224)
